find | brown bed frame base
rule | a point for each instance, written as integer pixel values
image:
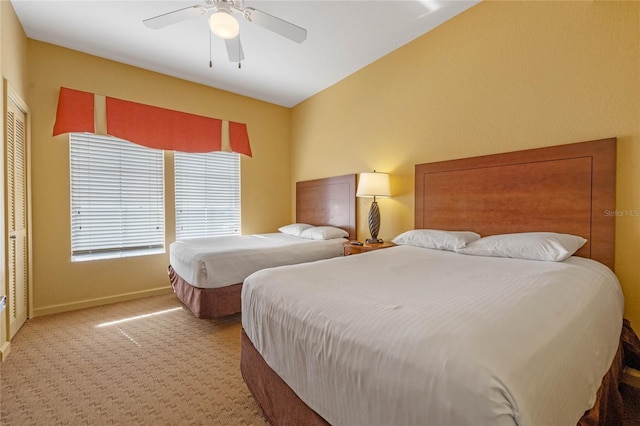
(206, 303)
(279, 403)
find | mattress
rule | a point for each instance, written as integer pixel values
(409, 335)
(221, 261)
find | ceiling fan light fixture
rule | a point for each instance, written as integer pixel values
(224, 25)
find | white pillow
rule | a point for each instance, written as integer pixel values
(294, 229)
(436, 239)
(548, 246)
(324, 233)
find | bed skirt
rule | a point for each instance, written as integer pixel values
(279, 403)
(206, 302)
(282, 406)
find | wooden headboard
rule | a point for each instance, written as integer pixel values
(567, 188)
(328, 201)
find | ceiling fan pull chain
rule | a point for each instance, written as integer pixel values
(210, 60)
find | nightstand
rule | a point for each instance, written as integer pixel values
(350, 249)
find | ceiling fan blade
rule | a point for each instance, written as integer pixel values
(169, 18)
(234, 49)
(277, 25)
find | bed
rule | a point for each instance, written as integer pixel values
(207, 273)
(367, 339)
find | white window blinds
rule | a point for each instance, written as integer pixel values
(207, 188)
(117, 198)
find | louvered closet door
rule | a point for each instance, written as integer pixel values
(16, 217)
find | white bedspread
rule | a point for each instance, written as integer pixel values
(222, 261)
(408, 336)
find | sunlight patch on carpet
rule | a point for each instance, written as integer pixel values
(137, 317)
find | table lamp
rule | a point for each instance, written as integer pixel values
(374, 185)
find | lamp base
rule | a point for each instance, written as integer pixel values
(374, 223)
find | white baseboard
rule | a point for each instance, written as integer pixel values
(4, 351)
(631, 376)
(90, 303)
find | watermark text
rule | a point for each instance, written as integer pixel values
(622, 213)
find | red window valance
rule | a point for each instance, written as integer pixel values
(147, 125)
(75, 112)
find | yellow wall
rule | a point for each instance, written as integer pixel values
(14, 49)
(60, 284)
(502, 76)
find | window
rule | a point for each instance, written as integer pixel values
(117, 198)
(207, 188)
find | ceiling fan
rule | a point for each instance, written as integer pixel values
(224, 25)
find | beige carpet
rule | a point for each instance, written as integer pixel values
(168, 368)
(159, 366)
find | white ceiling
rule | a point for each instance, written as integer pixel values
(343, 37)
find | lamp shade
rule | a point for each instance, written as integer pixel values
(224, 25)
(373, 185)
